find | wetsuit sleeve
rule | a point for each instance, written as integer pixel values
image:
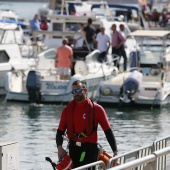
(101, 117)
(59, 137)
(63, 122)
(61, 128)
(111, 139)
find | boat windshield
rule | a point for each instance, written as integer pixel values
(7, 37)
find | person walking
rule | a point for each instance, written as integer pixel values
(117, 41)
(122, 47)
(89, 31)
(103, 44)
(80, 118)
(64, 59)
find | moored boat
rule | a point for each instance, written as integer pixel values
(152, 83)
(44, 79)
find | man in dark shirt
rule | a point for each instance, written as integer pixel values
(90, 33)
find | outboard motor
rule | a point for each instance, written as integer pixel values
(134, 58)
(33, 86)
(130, 86)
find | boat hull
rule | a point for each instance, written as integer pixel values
(56, 96)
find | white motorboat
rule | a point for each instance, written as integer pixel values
(15, 50)
(128, 12)
(43, 85)
(149, 84)
(8, 16)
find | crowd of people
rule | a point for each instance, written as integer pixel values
(96, 39)
(156, 18)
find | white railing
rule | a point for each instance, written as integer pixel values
(133, 155)
(165, 159)
(148, 162)
(151, 157)
(97, 165)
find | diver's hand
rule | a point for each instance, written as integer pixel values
(61, 152)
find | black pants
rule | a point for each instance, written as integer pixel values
(120, 52)
(123, 54)
(103, 57)
(117, 52)
(76, 151)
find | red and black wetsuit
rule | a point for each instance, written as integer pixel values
(89, 143)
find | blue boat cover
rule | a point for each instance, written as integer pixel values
(14, 22)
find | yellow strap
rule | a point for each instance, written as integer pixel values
(83, 134)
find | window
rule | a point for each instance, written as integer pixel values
(4, 58)
(72, 26)
(9, 37)
(57, 26)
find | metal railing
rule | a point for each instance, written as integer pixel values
(133, 155)
(148, 162)
(165, 159)
(151, 157)
(99, 165)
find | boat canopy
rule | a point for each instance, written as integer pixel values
(150, 33)
(10, 21)
(62, 34)
(124, 7)
(58, 33)
(71, 18)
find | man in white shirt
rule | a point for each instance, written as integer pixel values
(78, 40)
(103, 44)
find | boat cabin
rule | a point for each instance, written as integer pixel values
(154, 52)
(70, 23)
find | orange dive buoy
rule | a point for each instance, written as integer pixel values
(104, 156)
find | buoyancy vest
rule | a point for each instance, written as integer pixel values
(89, 118)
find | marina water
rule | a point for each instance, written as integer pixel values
(25, 10)
(34, 127)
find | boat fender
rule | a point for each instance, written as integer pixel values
(115, 71)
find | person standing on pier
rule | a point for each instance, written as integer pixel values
(103, 44)
(117, 41)
(64, 60)
(34, 24)
(80, 119)
(89, 31)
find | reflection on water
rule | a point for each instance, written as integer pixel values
(34, 127)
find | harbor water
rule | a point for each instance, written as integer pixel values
(25, 10)
(34, 127)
